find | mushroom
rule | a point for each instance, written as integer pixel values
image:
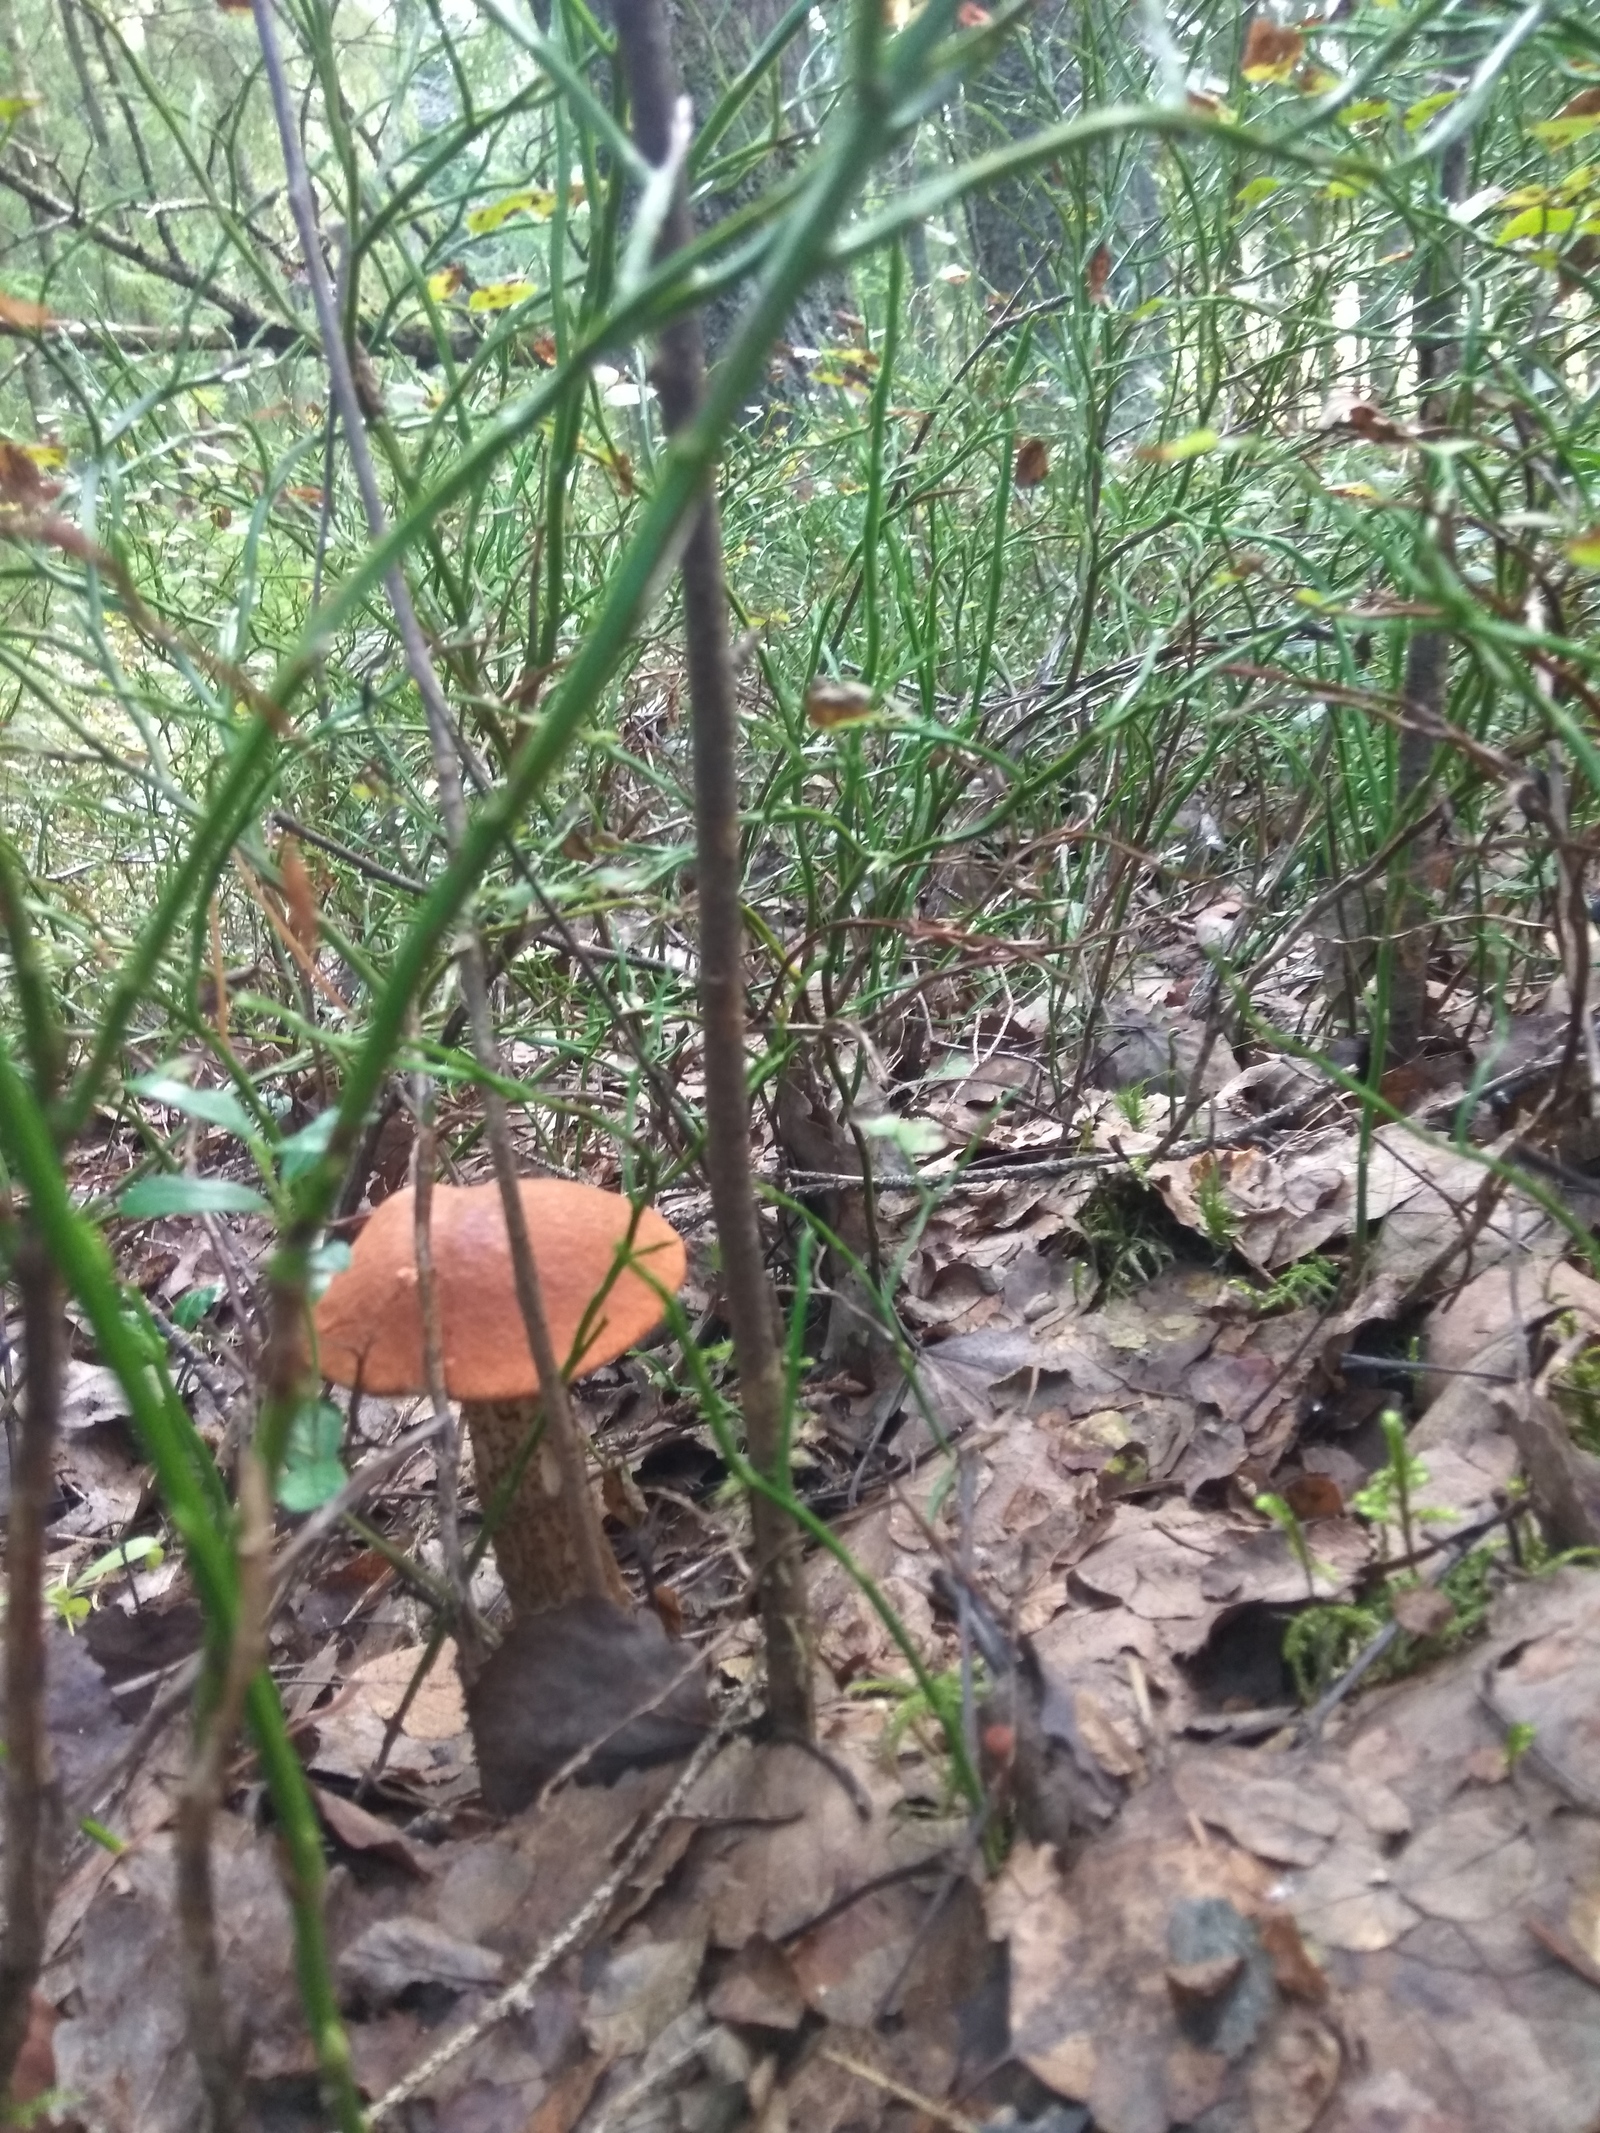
(549, 1544)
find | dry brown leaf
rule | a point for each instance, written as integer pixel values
(1032, 464)
(359, 1831)
(25, 316)
(437, 1711)
(1293, 1968)
(1271, 52)
(21, 479)
(565, 2102)
(837, 703)
(298, 894)
(1484, 1326)
(759, 1987)
(1422, 1610)
(643, 1985)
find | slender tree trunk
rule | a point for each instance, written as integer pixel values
(1425, 690)
(1016, 228)
(712, 45)
(679, 376)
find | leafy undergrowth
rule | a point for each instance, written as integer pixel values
(1162, 553)
(1130, 1443)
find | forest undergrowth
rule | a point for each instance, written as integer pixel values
(1038, 804)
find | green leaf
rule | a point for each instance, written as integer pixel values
(303, 1151)
(912, 1136)
(142, 1552)
(191, 1307)
(1585, 550)
(312, 1469)
(217, 1107)
(1257, 190)
(1418, 114)
(330, 1257)
(1175, 449)
(1538, 222)
(189, 1196)
(1365, 111)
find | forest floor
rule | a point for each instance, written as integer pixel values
(1283, 1721)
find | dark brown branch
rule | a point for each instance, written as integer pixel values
(247, 325)
(679, 377)
(32, 1806)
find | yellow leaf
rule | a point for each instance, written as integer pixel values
(1560, 133)
(1578, 116)
(1585, 550)
(1174, 449)
(1364, 112)
(1419, 114)
(1538, 222)
(1257, 190)
(12, 107)
(535, 202)
(445, 283)
(1271, 52)
(500, 295)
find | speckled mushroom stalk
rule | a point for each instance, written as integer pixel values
(549, 1543)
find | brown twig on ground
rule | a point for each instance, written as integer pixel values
(517, 1996)
(938, 2114)
(679, 377)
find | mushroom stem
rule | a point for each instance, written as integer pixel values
(549, 1542)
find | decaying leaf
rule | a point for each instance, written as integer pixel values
(837, 703)
(1032, 465)
(26, 317)
(1271, 51)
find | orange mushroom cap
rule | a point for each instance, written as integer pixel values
(369, 1320)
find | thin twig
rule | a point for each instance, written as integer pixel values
(32, 1819)
(939, 2113)
(447, 1451)
(627, 2101)
(335, 850)
(660, 131)
(517, 1995)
